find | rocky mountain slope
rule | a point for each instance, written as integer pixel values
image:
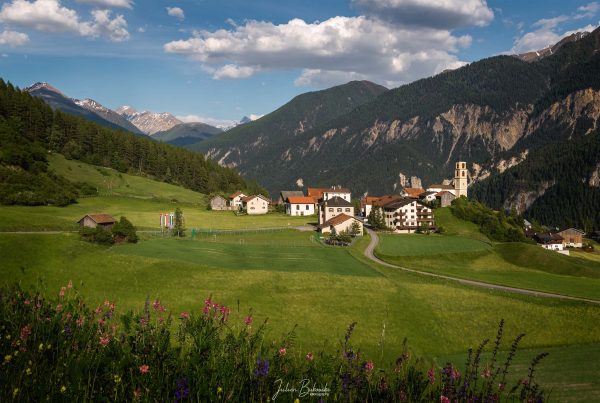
(252, 142)
(87, 109)
(149, 122)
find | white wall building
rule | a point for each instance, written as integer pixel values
(300, 206)
(255, 205)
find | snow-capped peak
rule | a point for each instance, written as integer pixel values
(42, 86)
(90, 104)
(149, 122)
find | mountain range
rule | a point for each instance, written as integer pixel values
(494, 114)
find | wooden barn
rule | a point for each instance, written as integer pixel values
(103, 220)
(219, 203)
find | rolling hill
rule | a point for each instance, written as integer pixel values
(187, 133)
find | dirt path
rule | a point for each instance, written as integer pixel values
(375, 241)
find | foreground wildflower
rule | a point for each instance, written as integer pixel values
(144, 369)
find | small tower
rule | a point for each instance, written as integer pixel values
(460, 179)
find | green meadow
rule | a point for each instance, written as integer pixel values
(290, 278)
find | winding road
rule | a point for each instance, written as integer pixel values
(375, 241)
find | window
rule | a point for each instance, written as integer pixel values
(307, 207)
(251, 208)
(339, 209)
(347, 209)
(463, 174)
(331, 209)
(297, 207)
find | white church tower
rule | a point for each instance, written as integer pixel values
(460, 179)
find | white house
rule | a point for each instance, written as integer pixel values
(300, 205)
(337, 191)
(335, 206)
(407, 215)
(255, 204)
(235, 200)
(550, 241)
(340, 223)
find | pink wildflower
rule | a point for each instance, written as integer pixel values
(143, 322)
(80, 321)
(444, 399)
(70, 285)
(184, 316)
(487, 373)
(282, 351)
(156, 305)
(98, 310)
(61, 293)
(104, 340)
(27, 302)
(25, 332)
(248, 320)
(431, 375)
(310, 356)
(369, 366)
(59, 307)
(144, 369)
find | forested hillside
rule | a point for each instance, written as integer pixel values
(30, 129)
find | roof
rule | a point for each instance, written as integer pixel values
(338, 219)
(337, 201)
(573, 229)
(438, 186)
(318, 192)
(396, 204)
(414, 192)
(100, 218)
(217, 197)
(444, 193)
(383, 200)
(236, 194)
(549, 238)
(301, 200)
(368, 200)
(246, 199)
(287, 193)
(427, 194)
(338, 190)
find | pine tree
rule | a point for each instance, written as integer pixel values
(179, 227)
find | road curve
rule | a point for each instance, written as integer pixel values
(375, 240)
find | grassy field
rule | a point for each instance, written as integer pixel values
(426, 245)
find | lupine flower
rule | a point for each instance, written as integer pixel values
(80, 321)
(455, 375)
(431, 375)
(184, 316)
(104, 340)
(310, 356)
(144, 369)
(369, 366)
(282, 351)
(248, 320)
(182, 391)
(25, 332)
(349, 354)
(262, 368)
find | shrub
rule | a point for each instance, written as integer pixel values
(124, 231)
(64, 350)
(97, 235)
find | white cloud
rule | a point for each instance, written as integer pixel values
(109, 3)
(51, 16)
(330, 52)
(441, 14)
(589, 10)
(542, 38)
(176, 12)
(12, 38)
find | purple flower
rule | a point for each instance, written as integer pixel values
(262, 368)
(182, 391)
(431, 375)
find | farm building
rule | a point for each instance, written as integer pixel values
(445, 198)
(335, 206)
(407, 215)
(103, 220)
(572, 237)
(300, 205)
(339, 223)
(235, 200)
(219, 203)
(550, 241)
(255, 204)
(437, 188)
(413, 193)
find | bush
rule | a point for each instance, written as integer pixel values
(97, 235)
(124, 231)
(63, 350)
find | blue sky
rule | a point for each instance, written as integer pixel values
(217, 61)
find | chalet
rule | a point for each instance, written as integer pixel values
(254, 205)
(413, 193)
(284, 194)
(335, 206)
(300, 205)
(366, 204)
(572, 237)
(437, 188)
(428, 196)
(444, 198)
(339, 223)
(235, 200)
(103, 220)
(219, 203)
(550, 241)
(407, 215)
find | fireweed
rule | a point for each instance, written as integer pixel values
(73, 352)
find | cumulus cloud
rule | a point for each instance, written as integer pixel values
(444, 14)
(51, 16)
(13, 38)
(547, 31)
(332, 51)
(221, 123)
(176, 12)
(109, 3)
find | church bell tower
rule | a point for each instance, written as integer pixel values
(460, 179)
